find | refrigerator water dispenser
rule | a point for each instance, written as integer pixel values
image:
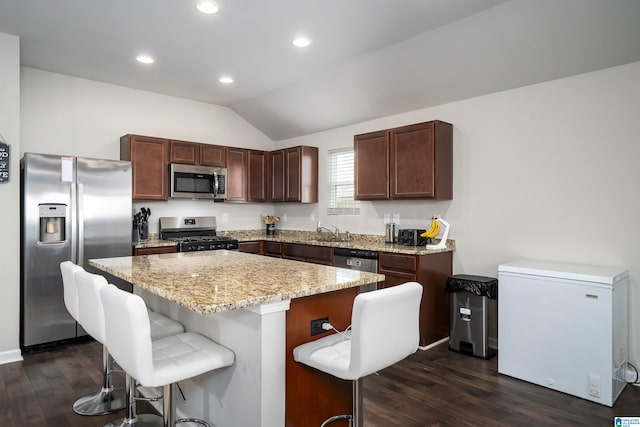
(52, 220)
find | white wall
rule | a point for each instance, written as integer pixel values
(10, 199)
(68, 115)
(548, 171)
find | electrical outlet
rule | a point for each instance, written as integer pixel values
(316, 325)
(396, 219)
(284, 217)
(594, 385)
(225, 217)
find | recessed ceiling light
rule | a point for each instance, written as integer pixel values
(225, 79)
(301, 42)
(145, 59)
(208, 7)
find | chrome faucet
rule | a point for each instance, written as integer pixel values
(335, 233)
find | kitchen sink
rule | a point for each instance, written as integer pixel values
(327, 240)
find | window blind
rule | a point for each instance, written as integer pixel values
(341, 188)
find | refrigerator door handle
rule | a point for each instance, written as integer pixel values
(74, 224)
(80, 226)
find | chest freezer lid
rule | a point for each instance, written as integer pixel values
(580, 272)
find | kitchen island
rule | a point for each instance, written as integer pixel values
(243, 302)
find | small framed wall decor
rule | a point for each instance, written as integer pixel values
(5, 160)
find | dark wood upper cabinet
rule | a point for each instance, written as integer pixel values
(149, 165)
(212, 155)
(288, 175)
(257, 170)
(236, 174)
(278, 176)
(301, 165)
(371, 165)
(293, 160)
(194, 153)
(408, 162)
(186, 153)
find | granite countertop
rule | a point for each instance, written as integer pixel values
(214, 281)
(153, 242)
(358, 241)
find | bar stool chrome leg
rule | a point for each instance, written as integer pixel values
(356, 418)
(169, 410)
(105, 401)
(132, 419)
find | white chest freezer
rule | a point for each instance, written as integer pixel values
(565, 327)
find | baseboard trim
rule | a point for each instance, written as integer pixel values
(434, 344)
(10, 356)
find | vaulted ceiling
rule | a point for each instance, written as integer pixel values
(367, 59)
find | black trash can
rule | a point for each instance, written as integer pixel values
(473, 317)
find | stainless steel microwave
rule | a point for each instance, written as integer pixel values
(197, 182)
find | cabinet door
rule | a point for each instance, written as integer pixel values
(308, 174)
(393, 278)
(421, 161)
(301, 164)
(412, 162)
(149, 165)
(293, 163)
(186, 153)
(256, 176)
(212, 155)
(236, 174)
(273, 249)
(371, 153)
(278, 176)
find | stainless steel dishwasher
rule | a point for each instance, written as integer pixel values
(357, 259)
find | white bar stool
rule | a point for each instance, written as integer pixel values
(384, 330)
(107, 400)
(161, 362)
(91, 314)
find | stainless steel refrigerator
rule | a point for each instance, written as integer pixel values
(74, 209)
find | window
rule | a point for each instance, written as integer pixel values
(340, 164)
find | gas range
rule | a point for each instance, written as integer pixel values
(195, 234)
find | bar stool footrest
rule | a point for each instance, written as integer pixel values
(338, 418)
(141, 420)
(192, 420)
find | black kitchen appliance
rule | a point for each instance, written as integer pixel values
(411, 237)
(196, 233)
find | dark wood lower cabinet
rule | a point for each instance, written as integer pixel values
(250, 247)
(431, 271)
(313, 396)
(308, 253)
(155, 250)
(273, 249)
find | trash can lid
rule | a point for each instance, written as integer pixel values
(477, 285)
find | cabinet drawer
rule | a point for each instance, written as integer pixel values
(407, 263)
(249, 247)
(155, 250)
(312, 253)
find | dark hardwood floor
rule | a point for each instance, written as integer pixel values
(431, 388)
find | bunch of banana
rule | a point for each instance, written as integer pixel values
(433, 231)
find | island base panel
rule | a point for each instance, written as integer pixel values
(313, 396)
